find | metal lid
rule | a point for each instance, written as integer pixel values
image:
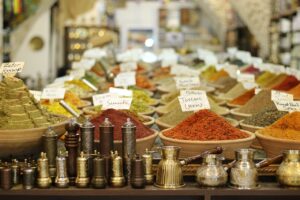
(50, 132)
(106, 123)
(72, 126)
(87, 124)
(128, 124)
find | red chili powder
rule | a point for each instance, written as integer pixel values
(244, 98)
(118, 118)
(250, 69)
(205, 125)
(288, 83)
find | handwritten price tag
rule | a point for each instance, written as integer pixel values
(288, 106)
(120, 103)
(36, 94)
(193, 102)
(11, 69)
(125, 79)
(120, 92)
(127, 67)
(248, 80)
(99, 99)
(187, 82)
(281, 96)
(192, 92)
(53, 93)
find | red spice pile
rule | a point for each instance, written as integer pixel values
(205, 125)
(288, 83)
(118, 118)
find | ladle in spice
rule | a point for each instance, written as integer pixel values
(169, 173)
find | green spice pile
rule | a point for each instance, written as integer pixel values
(258, 103)
(234, 92)
(265, 118)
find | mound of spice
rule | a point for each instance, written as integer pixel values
(265, 118)
(287, 127)
(277, 80)
(208, 72)
(218, 75)
(257, 103)
(205, 125)
(288, 83)
(295, 91)
(118, 118)
(244, 98)
(264, 78)
(226, 82)
(234, 92)
(251, 69)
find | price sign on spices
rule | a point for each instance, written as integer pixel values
(53, 93)
(116, 102)
(10, 69)
(288, 106)
(99, 99)
(193, 101)
(125, 79)
(187, 82)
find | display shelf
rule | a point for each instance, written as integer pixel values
(190, 191)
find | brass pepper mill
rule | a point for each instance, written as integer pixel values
(71, 144)
(148, 173)
(137, 173)
(128, 146)
(82, 179)
(117, 179)
(49, 142)
(98, 180)
(43, 180)
(106, 137)
(61, 180)
(87, 130)
(6, 178)
(28, 177)
(15, 168)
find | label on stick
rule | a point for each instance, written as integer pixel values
(53, 93)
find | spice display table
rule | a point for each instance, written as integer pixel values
(190, 191)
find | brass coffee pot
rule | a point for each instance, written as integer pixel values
(288, 173)
(169, 173)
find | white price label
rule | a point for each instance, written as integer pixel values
(120, 92)
(256, 61)
(187, 82)
(53, 93)
(211, 59)
(193, 102)
(281, 96)
(63, 79)
(246, 77)
(99, 99)
(120, 103)
(182, 70)
(36, 94)
(11, 68)
(125, 79)
(127, 67)
(169, 60)
(288, 106)
(192, 92)
(77, 73)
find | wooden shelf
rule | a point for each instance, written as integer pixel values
(190, 191)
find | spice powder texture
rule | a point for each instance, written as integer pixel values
(205, 125)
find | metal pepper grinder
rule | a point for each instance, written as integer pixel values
(28, 177)
(148, 160)
(128, 146)
(71, 144)
(99, 180)
(117, 179)
(137, 173)
(15, 168)
(61, 180)
(82, 179)
(49, 142)
(106, 137)
(43, 180)
(87, 130)
(6, 177)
